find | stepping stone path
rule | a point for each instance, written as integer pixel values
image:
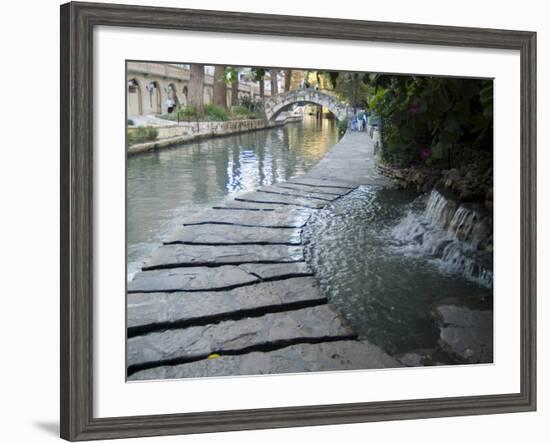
(229, 292)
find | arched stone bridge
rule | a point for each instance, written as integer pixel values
(274, 105)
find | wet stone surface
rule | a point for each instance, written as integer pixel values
(251, 206)
(158, 308)
(289, 218)
(331, 356)
(277, 190)
(190, 279)
(289, 200)
(314, 190)
(220, 234)
(182, 255)
(277, 270)
(232, 281)
(315, 323)
(466, 333)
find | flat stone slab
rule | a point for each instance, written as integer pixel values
(250, 206)
(313, 190)
(331, 356)
(263, 197)
(170, 256)
(219, 235)
(190, 279)
(321, 323)
(277, 190)
(321, 183)
(277, 270)
(285, 218)
(466, 333)
(183, 308)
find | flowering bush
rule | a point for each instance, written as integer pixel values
(424, 118)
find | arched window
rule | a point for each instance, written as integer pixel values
(135, 100)
(155, 97)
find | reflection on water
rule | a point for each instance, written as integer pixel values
(386, 295)
(164, 187)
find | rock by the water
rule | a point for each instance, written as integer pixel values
(466, 333)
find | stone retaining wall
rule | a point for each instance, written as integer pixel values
(186, 132)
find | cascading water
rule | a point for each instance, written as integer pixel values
(394, 264)
(457, 238)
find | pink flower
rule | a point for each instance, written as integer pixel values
(425, 153)
(415, 108)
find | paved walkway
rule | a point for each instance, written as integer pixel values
(151, 120)
(230, 293)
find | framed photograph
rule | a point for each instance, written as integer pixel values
(272, 221)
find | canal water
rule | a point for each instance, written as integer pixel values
(166, 186)
(386, 258)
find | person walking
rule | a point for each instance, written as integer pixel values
(170, 105)
(360, 120)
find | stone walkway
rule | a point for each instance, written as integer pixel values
(151, 120)
(230, 293)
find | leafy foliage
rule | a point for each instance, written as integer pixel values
(255, 106)
(240, 113)
(186, 113)
(425, 118)
(342, 125)
(258, 74)
(215, 113)
(353, 87)
(141, 135)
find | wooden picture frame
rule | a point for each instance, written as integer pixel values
(77, 23)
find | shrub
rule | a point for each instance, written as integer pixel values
(186, 113)
(130, 122)
(240, 112)
(215, 113)
(255, 106)
(141, 135)
(342, 126)
(424, 119)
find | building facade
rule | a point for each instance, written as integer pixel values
(149, 85)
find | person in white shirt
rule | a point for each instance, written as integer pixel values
(170, 105)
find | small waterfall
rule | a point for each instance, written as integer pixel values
(457, 237)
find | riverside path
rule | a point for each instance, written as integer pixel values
(230, 293)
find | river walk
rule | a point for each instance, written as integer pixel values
(229, 293)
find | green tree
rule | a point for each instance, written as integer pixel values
(274, 73)
(288, 78)
(220, 87)
(353, 87)
(196, 88)
(258, 75)
(232, 76)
